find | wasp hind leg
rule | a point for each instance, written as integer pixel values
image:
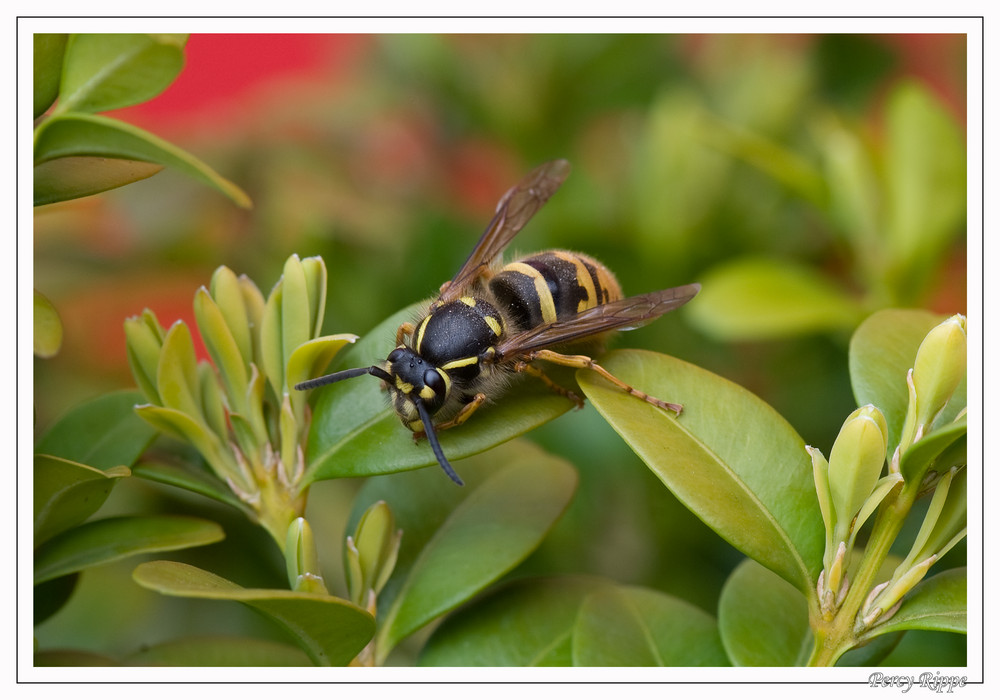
(463, 415)
(559, 389)
(584, 362)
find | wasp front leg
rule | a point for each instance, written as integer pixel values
(463, 415)
(404, 330)
(584, 362)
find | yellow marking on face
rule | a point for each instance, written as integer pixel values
(447, 381)
(404, 387)
(494, 323)
(548, 306)
(463, 362)
(468, 301)
(420, 333)
(426, 393)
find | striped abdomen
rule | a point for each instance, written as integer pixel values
(550, 286)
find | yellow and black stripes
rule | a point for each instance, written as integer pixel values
(550, 286)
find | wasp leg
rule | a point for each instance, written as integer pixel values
(561, 390)
(584, 362)
(462, 416)
(405, 329)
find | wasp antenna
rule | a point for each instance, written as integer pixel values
(425, 417)
(343, 374)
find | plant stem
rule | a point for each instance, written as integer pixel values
(840, 634)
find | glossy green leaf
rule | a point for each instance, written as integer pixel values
(729, 457)
(109, 71)
(222, 346)
(924, 453)
(882, 349)
(190, 479)
(49, 597)
(854, 204)
(422, 500)
(47, 328)
(101, 433)
(111, 539)
(177, 373)
(938, 603)
(497, 524)
(525, 623)
(94, 135)
(925, 172)
(296, 326)
(330, 630)
(47, 65)
(785, 166)
(312, 358)
(71, 657)
(219, 651)
(763, 620)
(67, 493)
(272, 362)
(81, 176)
(758, 299)
(632, 626)
(356, 433)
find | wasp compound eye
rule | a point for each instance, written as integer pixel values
(434, 380)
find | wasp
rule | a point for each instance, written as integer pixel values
(492, 320)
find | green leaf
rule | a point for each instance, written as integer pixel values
(81, 176)
(498, 523)
(296, 327)
(786, 167)
(109, 71)
(356, 433)
(194, 480)
(222, 346)
(882, 349)
(925, 173)
(49, 597)
(854, 204)
(764, 621)
(111, 539)
(729, 457)
(71, 657)
(762, 299)
(330, 630)
(632, 626)
(177, 373)
(67, 493)
(524, 623)
(47, 64)
(311, 358)
(101, 433)
(48, 330)
(94, 135)
(219, 651)
(938, 603)
(924, 453)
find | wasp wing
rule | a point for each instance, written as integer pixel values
(623, 314)
(514, 210)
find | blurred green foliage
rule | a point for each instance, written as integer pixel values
(740, 160)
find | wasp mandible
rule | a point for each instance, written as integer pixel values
(493, 320)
